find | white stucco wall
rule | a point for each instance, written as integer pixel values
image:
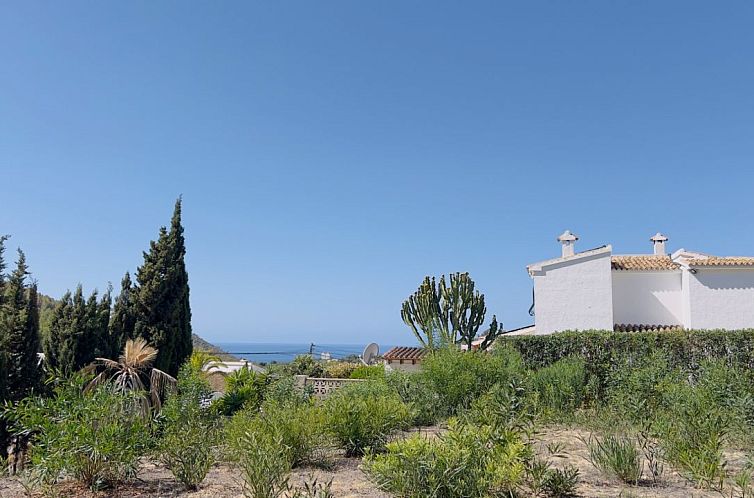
(721, 299)
(574, 295)
(647, 298)
(406, 366)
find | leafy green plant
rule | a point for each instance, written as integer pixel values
(466, 461)
(243, 388)
(617, 456)
(560, 387)
(544, 479)
(96, 437)
(340, 369)
(190, 430)
(693, 434)
(313, 489)
(418, 394)
(299, 426)
(363, 415)
(264, 462)
(460, 377)
(374, 372)
(305, 365)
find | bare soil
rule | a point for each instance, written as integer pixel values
(348, 481)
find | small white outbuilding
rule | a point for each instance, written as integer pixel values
(597, 289)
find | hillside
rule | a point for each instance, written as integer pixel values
(202, 345)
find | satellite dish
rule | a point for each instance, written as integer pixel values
(370, 353)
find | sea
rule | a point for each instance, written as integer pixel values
(264, 353)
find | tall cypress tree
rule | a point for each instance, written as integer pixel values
(162, 308)
(123, 319)
(59, 346)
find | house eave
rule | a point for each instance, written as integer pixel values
(541, 267)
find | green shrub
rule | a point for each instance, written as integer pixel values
(560, 387)
(340, 369)
(97, 438)
(603, 351)
(693, 433)
(731, 388)
(284, 390)
(190, 430)
(363, 415)
(617, 456)
(466, 461)
(418, 394)
(374, 372)
(264, 462)
(300, 426)
(305, 365)
(459, 377)
(243, 388)
(503, 407)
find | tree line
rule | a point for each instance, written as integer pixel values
(79, 329)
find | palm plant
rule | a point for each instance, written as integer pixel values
(133, 372)
(204, 362)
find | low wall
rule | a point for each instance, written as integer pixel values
(322, 387)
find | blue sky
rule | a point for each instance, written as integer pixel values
(331, 154)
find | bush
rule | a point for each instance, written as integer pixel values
(190, 431)
(363, 415)
(340, 369)
(243, 388)
(299, 426)
(617, 456)
(602, 351)
(459, 377)
(466, 461)
(417, 393)
(96, 437)
(693, 434)
(305, 365)
(560, 387)
(264, 462)
(504, 407)
(374, 372)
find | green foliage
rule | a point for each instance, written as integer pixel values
(364, 415)
(264, 462)
(299, 426)
(693, 433)
(313, 489)
(79, 332)
(442, 315)
(97, 438)
(467, 461)
(417, 393)
(617, 456)
(560, 387)
(374, 372)
(604, 352)
(190, 430)
(305, 365)
(162, 314)
(244, 388)
(460, 377)
(123, 319)
(340, 369)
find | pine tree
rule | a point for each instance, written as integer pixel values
(162, 307)
(123, 319)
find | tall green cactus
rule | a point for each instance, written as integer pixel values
(441, 314)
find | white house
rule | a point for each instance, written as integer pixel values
(596, 289)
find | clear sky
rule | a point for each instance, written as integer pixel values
(332, 153)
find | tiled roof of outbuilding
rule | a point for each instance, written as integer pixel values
(404, 353)
(643, 263)
(722, 261)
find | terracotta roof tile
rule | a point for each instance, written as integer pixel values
(644, 262)
(405, 353)
(721, 261)
(624, 327)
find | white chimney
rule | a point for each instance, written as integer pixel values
(658, 241)
(568, 240)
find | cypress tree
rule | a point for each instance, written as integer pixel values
(60, 345)
(104, 344)
(162, 307)
(123, 319)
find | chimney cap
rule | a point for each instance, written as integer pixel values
(658, 237)
(567, 236)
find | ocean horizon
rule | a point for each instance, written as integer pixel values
(272, 352)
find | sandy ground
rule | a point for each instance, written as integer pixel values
(349, 482)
